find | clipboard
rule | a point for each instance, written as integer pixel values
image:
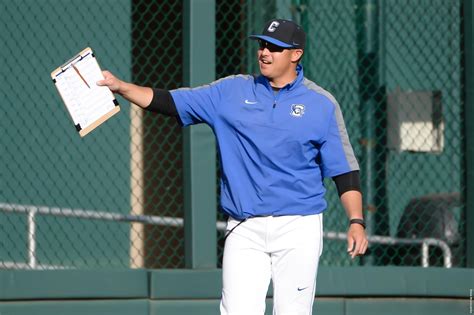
(88, 104)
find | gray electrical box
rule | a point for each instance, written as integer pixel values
(415, 121)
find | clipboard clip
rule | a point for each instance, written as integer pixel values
(71, 63)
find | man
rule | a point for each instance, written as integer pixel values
(279, 135)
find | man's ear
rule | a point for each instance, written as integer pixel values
(296, 55)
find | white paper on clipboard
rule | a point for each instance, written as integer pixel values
(88, 104)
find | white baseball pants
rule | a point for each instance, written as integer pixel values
(285, 249)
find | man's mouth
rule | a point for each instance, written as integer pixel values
(264, 61)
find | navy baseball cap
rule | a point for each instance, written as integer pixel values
(283, 33)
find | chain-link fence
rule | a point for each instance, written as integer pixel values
(115, 198)
(157, 61)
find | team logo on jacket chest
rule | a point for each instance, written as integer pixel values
(297, 110)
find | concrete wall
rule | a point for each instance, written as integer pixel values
(341, 291)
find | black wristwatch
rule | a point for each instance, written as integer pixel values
(357, 221)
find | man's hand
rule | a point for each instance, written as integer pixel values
(138, 95)
(356, 240)
(111, 82)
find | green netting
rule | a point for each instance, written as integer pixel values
(132, 165)
(395, 66)
(157, 61)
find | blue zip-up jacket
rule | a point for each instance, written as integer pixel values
(275, 147)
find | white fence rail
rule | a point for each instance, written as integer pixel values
(32, 211)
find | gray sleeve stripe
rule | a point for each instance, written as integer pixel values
(348, 151)
(243, 76)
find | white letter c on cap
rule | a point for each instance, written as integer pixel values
(273, 26)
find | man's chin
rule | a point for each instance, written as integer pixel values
(265, 72)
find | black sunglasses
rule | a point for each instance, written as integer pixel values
(271, 47)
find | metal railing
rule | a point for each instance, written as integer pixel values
(388, 240)
(32, 211)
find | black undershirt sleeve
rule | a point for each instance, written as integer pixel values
(162, 103)
(347, 181)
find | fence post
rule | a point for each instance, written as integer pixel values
(469, 129)
(198, 141)
(368, 85)
(32, 238)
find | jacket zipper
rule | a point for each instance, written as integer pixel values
(275, 99)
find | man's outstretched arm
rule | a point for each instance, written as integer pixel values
(139, 95)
